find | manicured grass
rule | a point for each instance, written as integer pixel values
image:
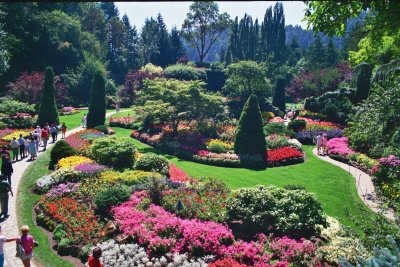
(74, 121)
(123, 113)
(333, 187)
(26, 202)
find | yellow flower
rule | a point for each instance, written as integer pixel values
(72, 161)
(127, 177)
(16, 134)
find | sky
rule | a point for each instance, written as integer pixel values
(174, 13)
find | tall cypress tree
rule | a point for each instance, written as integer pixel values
(250, 138)
(177, 45)
(363, 86)
(48, 112)
(97, 108)
(279, 94)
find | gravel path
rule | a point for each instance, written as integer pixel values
(10, 227)
(365, 187)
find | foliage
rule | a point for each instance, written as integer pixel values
(122, 122)
(297, 125)
(218, 146)
(184, 72)
(285, 212)
(363, 161)
(113, 151)
(250, 139)
(72, 161)
(279, 95)
(62, 190)
(48, 112)
(203, 26)
(363, 85)
(61, 150)
(97, 108)
(277, 128)
(152, 162)
(12, 107)
(308, 137)
(101, 128)
(127, 177)
(111, 197)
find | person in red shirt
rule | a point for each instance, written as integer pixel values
(45, 137)
(94, 260)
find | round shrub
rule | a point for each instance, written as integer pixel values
(153, 163)
(277, 128)
(216, 147)
(102, 128)
(61, 150)
(184, 72)
(110, 197)
(261, 209)
(297, 125)
(113, 151)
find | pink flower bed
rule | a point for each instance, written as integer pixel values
(177, 175)
(147, 138)
(207, 154)
(339, 146)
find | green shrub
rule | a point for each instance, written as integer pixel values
(48, 112)
(61, 150)
(97, 108)
(113, 151)
(19, 123)
(184, 72)
(152, 162)
(64, 247)
(110, 197)
(363, 81)
(102, 128)
(11, 107)
(297, 125)
(250, 138)
(59, 232)
(279, 129)
(2, 125)
(279, 95)
(294, 187)
(295, 213)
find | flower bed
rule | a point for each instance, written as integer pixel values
(307, 137)
(284, 156)
(82, 139)
(68, 111)
(123, 122)
(178, 175)
(338, 148)
(8, 134)
(317, 125)
(73, 161)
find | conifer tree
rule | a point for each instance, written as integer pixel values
(250, 141)
(177, 45)
(48, 112)
(363, 86)
(331, 54)
(97, 108)
(279, 95)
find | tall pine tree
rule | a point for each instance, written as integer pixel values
(48, 112)
(279, 95)
(178, 49)
(250, 141)
(97, 108)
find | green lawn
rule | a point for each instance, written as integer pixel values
(334, 187)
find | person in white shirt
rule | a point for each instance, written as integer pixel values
(84, 121)
(14, 147)
(319, 142)
(3, 240)
(26, 143)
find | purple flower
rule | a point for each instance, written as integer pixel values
(63, 189)
(90, 168)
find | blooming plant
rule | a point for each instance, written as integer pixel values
(90, 169)
(177, 175)
(283, 155)
(129, 177)
(123, 122)
(80, 141)
(62, 190)
(72, 161)
(5, 132)
(16, 133)
(207, 154)
(339, 146)
(90, 187)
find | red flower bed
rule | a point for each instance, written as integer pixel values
(177, 175)
(283, 156)
(226, 263)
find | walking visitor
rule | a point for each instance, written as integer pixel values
(3, 240)
(39, 131)
(45, 137)
(84, 121)
(318, 142)
(21, 142)
(5, 188)
(32, 148)
(36, 137)
(63, 130)
(4, 153)
(15, 147)
(7, 169)
(324, 143)
(53, 132)
(26, 151)
(28, 243)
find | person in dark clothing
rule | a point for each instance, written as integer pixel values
(5, 188)
(7, 169)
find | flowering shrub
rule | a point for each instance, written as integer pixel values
(283, 156)
(200, 204)
(90, 169)
(177, 175)
(147, 138)
(152, 162)
(90, 187)
(62, 190)
(72, 161)
(61, 175)
(219, 146)
(114, 254)
(339, 147)
(16, 133)
(316, 125)
(123, 122)
(207, 154)
(296, 252)
(82, 139)
(128, 177)
(163, 232)
(362, 162)
(81, 223)
(276, 141)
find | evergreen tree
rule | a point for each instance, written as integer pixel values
(177, 45)
(116, 51)
(363, 86)
(165, 56)
(131, 43)
(48, 112)
(294, 52)
(250, 141)
(97, 108)
(149, 49)
(279, 95)
(331, 54)
(110, 10)
(316, 52)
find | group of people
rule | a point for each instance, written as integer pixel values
(321, 140)
(25, 245)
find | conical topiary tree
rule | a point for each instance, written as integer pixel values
(250, 141)
(363, 86)
(279, 95)
(48, 112)
(97, 108)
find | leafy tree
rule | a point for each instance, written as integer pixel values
(250, 138)
(363, 85)
(203, 26)
(279, 95)
(97, 108)
(171, 101)
(184, 72)
(48, 112)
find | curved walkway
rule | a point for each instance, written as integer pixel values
(365, 187)
(10, 227)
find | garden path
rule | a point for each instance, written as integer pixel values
(365, 187)
(10, 227)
